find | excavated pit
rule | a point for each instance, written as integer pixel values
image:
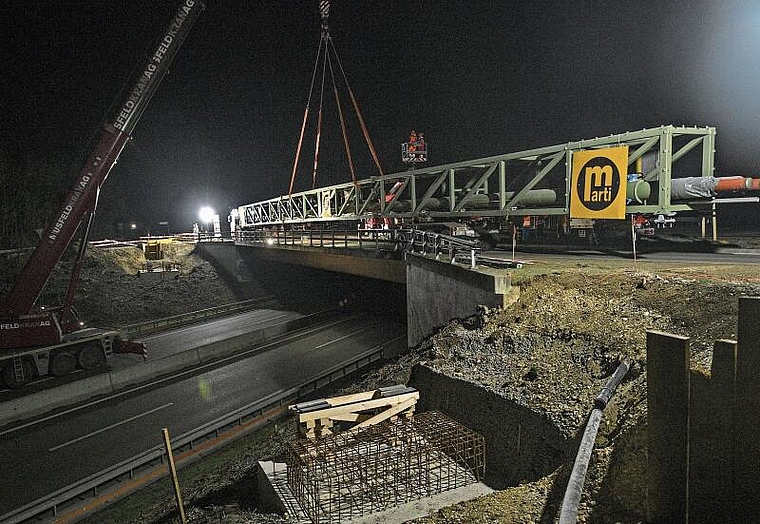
(521, 445)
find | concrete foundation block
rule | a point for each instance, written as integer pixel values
(436, 293)
(274, 495)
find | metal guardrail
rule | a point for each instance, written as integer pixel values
(151, 325)
(108, 243)
(132, 468)
(437, 244)
(410, 240)
(207, 236)
(388, 239)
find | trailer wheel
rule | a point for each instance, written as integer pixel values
(62, 363)
(9, 376)
(91, 357)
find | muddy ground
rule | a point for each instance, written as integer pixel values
(551, 351)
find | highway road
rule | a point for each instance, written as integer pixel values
(172, 341)
(45, 455)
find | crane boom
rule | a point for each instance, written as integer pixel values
(81, 199)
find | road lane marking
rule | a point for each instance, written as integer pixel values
(218, 363)
(341, 338)
(101, 430)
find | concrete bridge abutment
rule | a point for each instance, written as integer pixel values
(436, 292)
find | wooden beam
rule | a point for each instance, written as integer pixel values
(388, 413)
(357, 406)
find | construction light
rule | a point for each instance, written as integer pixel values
(206, 214)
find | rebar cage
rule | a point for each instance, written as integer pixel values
(362, 472)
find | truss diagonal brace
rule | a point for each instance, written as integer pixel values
(474, 187)
(555, 159)
(396, 196)
(432, 189)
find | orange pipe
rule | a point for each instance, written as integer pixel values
(736, 183)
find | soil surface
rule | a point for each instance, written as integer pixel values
(111, 291)
(552, 351)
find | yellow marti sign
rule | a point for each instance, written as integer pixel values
(598, 184)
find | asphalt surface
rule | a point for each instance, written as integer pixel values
(169, 342)
(197, 335)
(43, 456)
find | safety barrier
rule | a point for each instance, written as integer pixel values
(375, 239)
(141, 465)
(411, 240)
(437, 244)
(132, 330)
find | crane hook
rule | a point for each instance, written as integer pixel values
(324, 12)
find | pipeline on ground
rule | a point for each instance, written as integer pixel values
(569, 512)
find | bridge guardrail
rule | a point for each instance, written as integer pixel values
(128, 468)
(132, 330)
(411, 240)
(437, 244)
(329, 238)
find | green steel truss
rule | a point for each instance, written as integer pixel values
(497, 186)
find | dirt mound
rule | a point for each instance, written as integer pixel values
(554, 350)
(129, 259)
(112, 292)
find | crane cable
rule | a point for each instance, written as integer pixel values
(305, 117)
(319, 122)
(356, 108)
(342, 122)
(324, 10)
(324, 13)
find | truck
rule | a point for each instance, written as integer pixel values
(36, 340)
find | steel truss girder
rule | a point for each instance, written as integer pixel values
(493, 186)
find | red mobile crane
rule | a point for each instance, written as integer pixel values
(36, 341)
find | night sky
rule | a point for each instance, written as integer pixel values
(479, 78)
